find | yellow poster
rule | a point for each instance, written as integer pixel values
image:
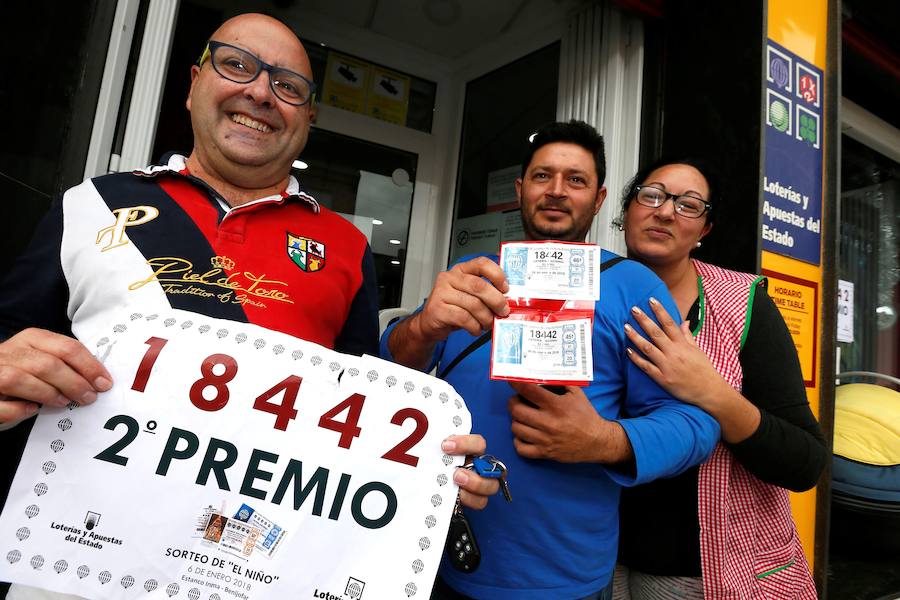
(388, 96)
(346, 82)
(797, 300)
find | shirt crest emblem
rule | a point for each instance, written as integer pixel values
(307, 253)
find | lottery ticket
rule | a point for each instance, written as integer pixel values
(238, 538)
(552, 270)
(557, 351)
(203, 521)
(270, 534)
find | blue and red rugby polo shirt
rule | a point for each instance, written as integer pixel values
(161, 237)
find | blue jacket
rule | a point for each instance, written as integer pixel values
(558, 537)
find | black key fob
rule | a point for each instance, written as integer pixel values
(461, 546)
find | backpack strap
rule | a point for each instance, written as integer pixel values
(486, 336)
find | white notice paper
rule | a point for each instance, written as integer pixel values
(233, 462)
(845, 311)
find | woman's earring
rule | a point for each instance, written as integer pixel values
(699, 243)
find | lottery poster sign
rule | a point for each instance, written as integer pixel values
(792, 184)
(229, 461)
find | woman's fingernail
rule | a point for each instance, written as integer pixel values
(636, 310)
(653, 301)
(628, 328)
(448, 445)
(102, 384)
(629, 351)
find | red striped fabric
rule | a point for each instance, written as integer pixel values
(749, 547)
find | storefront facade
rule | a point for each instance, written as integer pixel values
(424, 109)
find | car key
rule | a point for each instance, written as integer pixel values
(490, 467)
(461, 548)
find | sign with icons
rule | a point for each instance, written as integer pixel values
(388, 97)
(792, 184)
(362, 87)
(230, 461)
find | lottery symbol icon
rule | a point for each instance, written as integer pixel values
(417, 566)
(150, 585)
(83, 571)
(353, 371)
(240, 338)
(169, 322)
(447, 459)
(102, 341)
(37, 561)
(277, 349)
(57, 445)
(152, 317)
(65, 424)
(193, 593)
(172, 589)
(457, 402)
(436, 500)
(457, 420)
(60, 566)
(409, 386)
(23, 533)
(424, 543)
(391, 381)
(221, 333)
(426, 391)
(40, 489)
(430, 521)
(187, 324)
(49, 467)
(135, 316)
(334, 365)
(297, 354)
(372, 375)
(316, 360)
(203, 328)
(354, 588)
(444, 397)
(13, 556)
(127, 581)
(260, 343)
(410, 589)
(91, 519)
(104, 577)
(120, 328)
(214, 596)
(32, 511)
(442, 479)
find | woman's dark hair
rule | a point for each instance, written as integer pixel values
(705, 169)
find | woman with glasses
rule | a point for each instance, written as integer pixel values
(723, 529)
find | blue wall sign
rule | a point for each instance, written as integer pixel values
(792, 184)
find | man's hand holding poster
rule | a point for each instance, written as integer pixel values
(230, 461)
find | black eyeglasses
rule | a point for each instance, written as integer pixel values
(690, 207)
(240, 66)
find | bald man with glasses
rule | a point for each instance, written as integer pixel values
(225, 232)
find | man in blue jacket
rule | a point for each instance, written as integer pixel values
(567, 454)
